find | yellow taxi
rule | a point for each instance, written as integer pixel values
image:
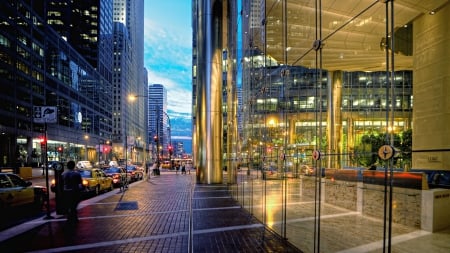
(94, 181)
(15, 192)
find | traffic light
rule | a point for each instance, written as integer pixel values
(170, 149)
(43, 142)
(155, 138)
(60, 149)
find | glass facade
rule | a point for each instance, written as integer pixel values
(39, 68)
(328, 90)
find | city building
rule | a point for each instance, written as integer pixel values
(77, 60)
(41, 70)
(130, 84)
(158, 120)
(88, 27)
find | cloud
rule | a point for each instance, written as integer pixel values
(178, 94)
(167, 57)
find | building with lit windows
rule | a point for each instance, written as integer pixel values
(130, 84)
(88, 27)
(40, 68)
(158, 120)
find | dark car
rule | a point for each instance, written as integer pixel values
(118, 175)
(136, 172)
(15, 192)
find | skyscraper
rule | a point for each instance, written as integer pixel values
(40, 67)
(131, 116)
(88, 27)
(158, 122)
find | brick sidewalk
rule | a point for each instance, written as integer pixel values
(169, 213)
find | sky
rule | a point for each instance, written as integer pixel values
(168, 50)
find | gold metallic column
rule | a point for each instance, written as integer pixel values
(334, 129)
(208, 111)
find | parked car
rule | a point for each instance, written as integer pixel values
(94, 181)
(166, 165)
(84, 165)
(136, 172)
(119, 175)
(15, 192)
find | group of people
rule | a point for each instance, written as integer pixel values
(182, 167)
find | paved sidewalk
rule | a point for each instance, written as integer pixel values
(168, 213)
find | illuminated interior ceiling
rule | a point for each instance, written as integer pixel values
(352, 33)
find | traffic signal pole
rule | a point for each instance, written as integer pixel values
(44, 147)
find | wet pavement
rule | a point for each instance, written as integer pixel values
(167, 213)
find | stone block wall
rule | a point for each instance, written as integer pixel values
(341, 193)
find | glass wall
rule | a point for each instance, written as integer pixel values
(327, 109)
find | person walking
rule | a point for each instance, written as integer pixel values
(72, 191)
(183, 169)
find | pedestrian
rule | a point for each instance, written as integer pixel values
(183, 169)
(71, 191)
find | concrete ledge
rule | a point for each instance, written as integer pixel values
(435, 209)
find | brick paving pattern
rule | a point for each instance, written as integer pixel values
(168, 213)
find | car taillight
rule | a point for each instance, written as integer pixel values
(115, 176)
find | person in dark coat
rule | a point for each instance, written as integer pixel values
(71, 191)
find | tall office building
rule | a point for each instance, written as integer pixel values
(40, 68)
(121, 78)
(88, 27)
(131, 115)
(158, 120)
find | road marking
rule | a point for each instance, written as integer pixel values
(373, 246)
(146, 238)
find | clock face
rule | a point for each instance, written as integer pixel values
(386, 152)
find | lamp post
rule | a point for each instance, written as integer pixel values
(130, 98)
(86, 138)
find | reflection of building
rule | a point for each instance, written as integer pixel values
(283, 110)
(330, 94)
(337, 78)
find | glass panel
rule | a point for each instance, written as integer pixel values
(335, 78)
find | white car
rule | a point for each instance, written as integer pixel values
(113, 164)
(84, 165)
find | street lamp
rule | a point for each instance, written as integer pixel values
(86, 138)
(130, 98)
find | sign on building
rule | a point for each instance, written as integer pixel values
(45, 114)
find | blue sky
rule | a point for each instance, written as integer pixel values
(168, 50)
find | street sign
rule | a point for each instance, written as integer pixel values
(45, 114)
